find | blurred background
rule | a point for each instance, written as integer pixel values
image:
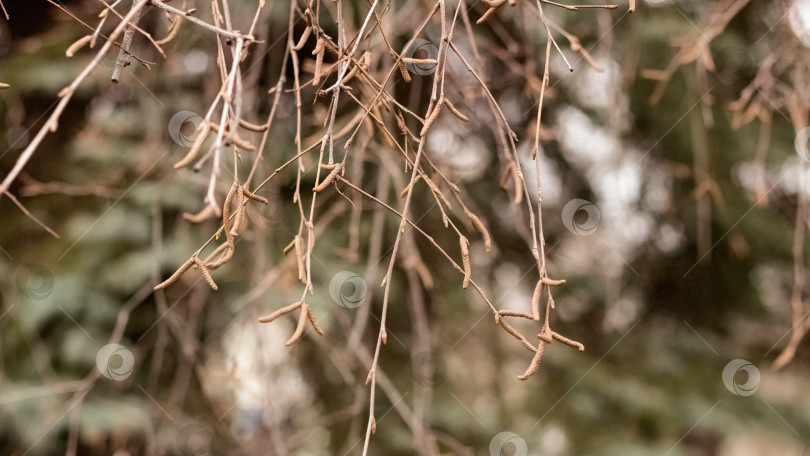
(674, 203)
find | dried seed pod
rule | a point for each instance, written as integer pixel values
(552, 282)
(567, 341)
(433, 115)
(283, 311)
(455, 111)
(242, 143)
(329, 178)
(240, 211)
(78, 44)
(413, 61)
(465, 259)
(253, 127)
(312, 322)
(514, 313)
(201, 216)
(300, 256)
(404, 191)
(479, 226)
(535, 365)
(174, 277)
(195, 148)
(485, 16)
(289, 247)
(516, 334)
(204, 270)
(225, 252)
(538, 291)
(253, 196)
(303, 40)
(299, 330)
(318, 53)
(403, 70)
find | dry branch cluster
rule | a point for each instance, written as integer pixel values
(382, 131)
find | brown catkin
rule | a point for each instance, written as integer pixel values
(252, 126)
(567, 341)
(289, 247)
(299, 255)
(465, 259)
(404, 191)
(535, 365)
(242, 143)
(78, 44)
(552, 282)
(514, 313)
(225, 252)
(199, 264)
(283, 311)
(455, 111)
(516, 334)
(433, 115)
(253, 196)
(176, 275)
(403, 70)
(413, 61)
(303, 39)
(195, 148)
(240, 211)
(479, 226)
(484, 18)
(314, 323)
(329, 179)
(226, 211)
(318, 53)
(538, 291)
(299, 330)
(201, 216)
